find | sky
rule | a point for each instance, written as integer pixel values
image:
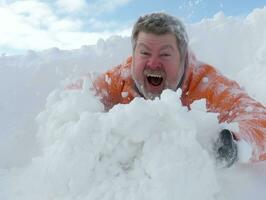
(70, 24)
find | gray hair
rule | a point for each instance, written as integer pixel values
(159, 24)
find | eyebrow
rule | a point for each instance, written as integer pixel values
(167, 46)
(143, 45)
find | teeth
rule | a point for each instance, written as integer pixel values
(154, 75)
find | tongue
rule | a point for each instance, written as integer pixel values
(155, 81)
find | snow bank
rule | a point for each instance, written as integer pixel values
(137, 151)
(235, 45)
(144, 150)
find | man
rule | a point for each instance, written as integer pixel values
(162, 60)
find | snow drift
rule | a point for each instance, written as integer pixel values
(144, 150)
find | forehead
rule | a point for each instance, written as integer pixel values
(151, 40)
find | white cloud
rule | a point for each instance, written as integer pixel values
(97, 24)
(71, 6)
(101, 6)
(32, 12)
(66, 25)
(90, 8)
(34, 25)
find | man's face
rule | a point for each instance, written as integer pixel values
(156, 64)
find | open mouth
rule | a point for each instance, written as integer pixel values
(154, 79)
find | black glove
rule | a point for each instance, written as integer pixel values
(226, 149)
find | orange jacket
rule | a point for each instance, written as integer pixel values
(201, 81)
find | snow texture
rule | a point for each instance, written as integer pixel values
(145, 150)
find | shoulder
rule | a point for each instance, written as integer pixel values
(122, 71)
(110, 86)
(113, 79)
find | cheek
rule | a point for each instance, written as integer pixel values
(172, 73)
(138, 70)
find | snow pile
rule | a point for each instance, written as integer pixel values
(235, 45)
(31, 77)
(144, 150)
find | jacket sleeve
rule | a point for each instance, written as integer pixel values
(108, 87)
(115, 86)
(225, 97)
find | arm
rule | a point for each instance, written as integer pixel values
(113, 87)
(107, 87)
(225, 97)
(116, 85)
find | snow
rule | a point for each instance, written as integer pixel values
(244, 151)
(118, 158)
(248, 109)
(65, 146)
(205, 80)
(124, 94)
(108, 80)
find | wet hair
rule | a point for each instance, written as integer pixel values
(160, 23)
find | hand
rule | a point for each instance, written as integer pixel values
(226, 149)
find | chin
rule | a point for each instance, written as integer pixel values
(150, 95)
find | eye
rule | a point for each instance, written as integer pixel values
(165, 55)
(145, 53)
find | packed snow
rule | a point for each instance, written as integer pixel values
(60, 144)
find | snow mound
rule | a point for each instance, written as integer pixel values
(144, 150)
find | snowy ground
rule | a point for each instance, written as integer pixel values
(65, 147)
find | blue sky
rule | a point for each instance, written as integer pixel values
(69, 24)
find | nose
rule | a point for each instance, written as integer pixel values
(154, 62)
